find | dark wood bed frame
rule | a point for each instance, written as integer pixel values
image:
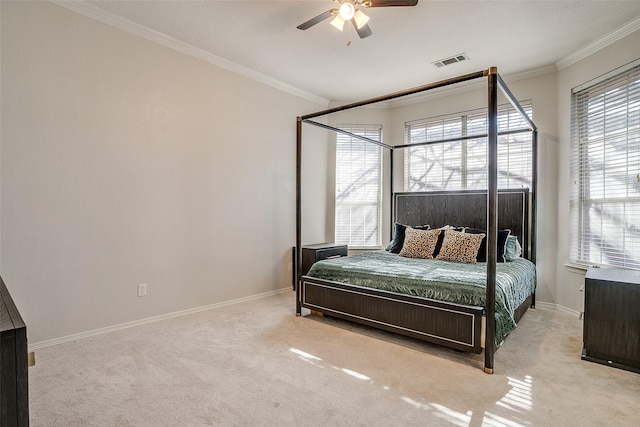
(462, 327)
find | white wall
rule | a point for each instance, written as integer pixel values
(569, 280)
(125, 162)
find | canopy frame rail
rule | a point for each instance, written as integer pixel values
(461, 138)
(350, 134)
(407, 92)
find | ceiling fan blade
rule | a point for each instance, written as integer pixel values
(364, 31)
(313, 21)
(389, 3)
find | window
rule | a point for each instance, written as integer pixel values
(605, 170)
(358, 186)
(462, 164)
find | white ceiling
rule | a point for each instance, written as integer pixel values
(260, 37)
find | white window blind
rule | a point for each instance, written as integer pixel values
(358, 186)
(462, 164)
(605, 170)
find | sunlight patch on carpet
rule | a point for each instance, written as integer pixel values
(355, 374)
(441, 411)
(304, 354)
(519, 398)
(518, 402)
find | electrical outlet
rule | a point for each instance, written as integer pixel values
(142, 290)
(290, 266)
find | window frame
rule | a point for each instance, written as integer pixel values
(361, 135)
(467, 137)
(597, 127)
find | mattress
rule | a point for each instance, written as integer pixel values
(439, 280)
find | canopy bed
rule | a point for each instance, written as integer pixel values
(475, 304)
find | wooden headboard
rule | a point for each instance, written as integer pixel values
(466, 209)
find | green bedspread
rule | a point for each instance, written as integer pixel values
(440, 280)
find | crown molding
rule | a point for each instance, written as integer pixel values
(131, 27)
(530, 74)
(608, 39)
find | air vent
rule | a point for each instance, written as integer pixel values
(452, 60)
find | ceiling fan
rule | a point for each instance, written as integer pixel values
(351, 10)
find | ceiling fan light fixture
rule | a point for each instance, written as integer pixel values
(350, 10)
(347, 10)
(338, 22)
(361, 18)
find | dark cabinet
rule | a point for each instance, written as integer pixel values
(611, 330)
(314, 253)
(14, 396)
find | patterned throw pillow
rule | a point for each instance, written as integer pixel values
(460, 247)
(441, 237)
(419, 243)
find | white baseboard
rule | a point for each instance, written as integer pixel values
(554, 306)
(81, 335)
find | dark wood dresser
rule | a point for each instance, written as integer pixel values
(14, 397)
(611, 330)
(314, 253)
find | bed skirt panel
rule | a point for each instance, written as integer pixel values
(452, 325)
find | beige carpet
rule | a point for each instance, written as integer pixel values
(256, 364)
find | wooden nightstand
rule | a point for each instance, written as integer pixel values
(314, 253)
(612, 318)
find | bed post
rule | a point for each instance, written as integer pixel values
(391, 201)
(534, 191)
(492, 218)
(298, 258)
(534, 203)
